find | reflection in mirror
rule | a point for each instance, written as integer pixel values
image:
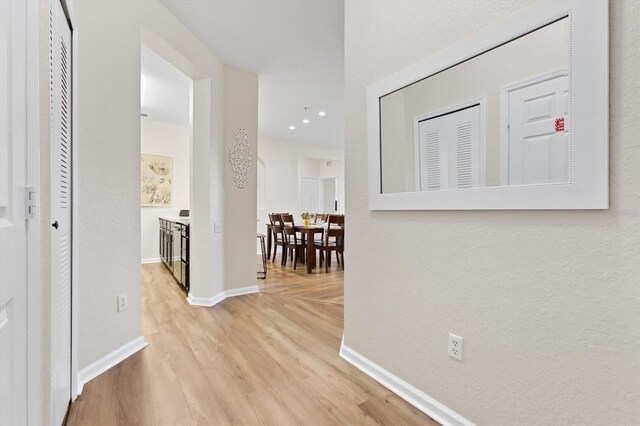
(500, 118)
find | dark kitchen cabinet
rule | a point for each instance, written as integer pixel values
(174, 249)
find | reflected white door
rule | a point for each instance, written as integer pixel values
(13, 226)
(309, 195)
(539, 132)
(61, 146)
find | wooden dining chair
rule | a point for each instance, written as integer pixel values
(335, 219)
(321, 217)
(294, 241)
(332, 241)
(278, 236)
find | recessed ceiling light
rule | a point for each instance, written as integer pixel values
(305, 121)
(292, 127)
(322, 113)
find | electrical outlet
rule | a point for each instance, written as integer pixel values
(122, 302)
(455, 347)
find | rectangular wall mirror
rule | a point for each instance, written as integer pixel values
(515, 117)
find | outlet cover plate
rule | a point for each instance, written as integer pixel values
(122, 302)
(455, 346)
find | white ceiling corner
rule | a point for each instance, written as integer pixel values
(164, 89)
(296, 48)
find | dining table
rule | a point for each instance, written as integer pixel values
(308, 234)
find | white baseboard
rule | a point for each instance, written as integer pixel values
(404, 390)
(98, 367)
(241, 291)
(211, 301)
(205, 301)
(151, 260)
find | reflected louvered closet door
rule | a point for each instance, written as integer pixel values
(432, 157)
(60, 74)
(466, 172)
(450, 150)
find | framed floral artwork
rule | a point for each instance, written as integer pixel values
(156, 180)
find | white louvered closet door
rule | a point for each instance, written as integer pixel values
(465, 167)
(431, 178)
(60, 73)
(450, 150)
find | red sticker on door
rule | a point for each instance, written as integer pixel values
(559, 124)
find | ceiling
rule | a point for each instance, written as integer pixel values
(164, 90)
(296, 48)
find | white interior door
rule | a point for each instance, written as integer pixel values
(450, 150)
(61, 146)
(539, 133)
(13, 233)
(309, 195)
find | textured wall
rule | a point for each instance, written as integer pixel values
(109, 165)
(109, 176)
(548, 302)
(240, 111)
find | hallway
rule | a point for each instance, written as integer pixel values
(269, 358)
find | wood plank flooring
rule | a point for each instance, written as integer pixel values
(319, 286)
(263, 359)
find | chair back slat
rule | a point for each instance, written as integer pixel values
(276, 222)
(288, 227)
(333, 235)
(287, 219)
(336, 219)
(320, 217)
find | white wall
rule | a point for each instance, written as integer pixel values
(308, 167)
(240, 111)
(335, 169)
(282, 174)
(108, 148)
(547, 302)
(171, 140)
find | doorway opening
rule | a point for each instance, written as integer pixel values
(165, 161)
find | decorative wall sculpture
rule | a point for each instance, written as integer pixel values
(240, 158)
(156, 176)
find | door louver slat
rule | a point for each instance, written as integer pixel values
(433, 161)
(464, 171)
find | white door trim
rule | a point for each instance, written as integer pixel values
(504, 117)
(481, 100)
(75, 199)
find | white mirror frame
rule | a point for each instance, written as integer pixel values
(588, 186)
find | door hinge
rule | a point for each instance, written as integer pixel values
(30, 197)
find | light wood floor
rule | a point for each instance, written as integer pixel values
(319, 286)
(263, 359)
